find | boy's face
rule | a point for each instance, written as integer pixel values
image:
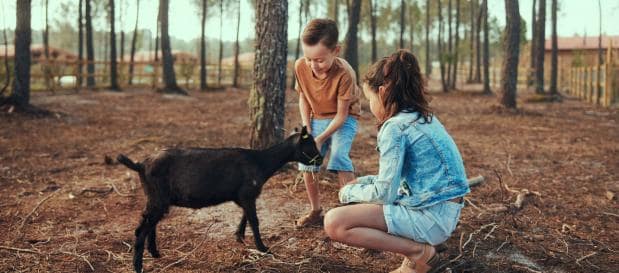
(319, 57)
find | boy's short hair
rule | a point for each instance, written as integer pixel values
(321, 31)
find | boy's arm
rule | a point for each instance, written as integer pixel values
(305, 110)
(336, 123)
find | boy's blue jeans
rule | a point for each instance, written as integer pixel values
(339, 145)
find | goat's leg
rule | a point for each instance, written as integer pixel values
(250, 212)
(149, 221)
(152, 242)
(240, 231)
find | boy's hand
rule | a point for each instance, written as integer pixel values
(319, 141)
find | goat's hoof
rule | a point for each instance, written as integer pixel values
(155, 254)
(240, 239)
(264, 249)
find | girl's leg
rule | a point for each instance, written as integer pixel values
(363, 225)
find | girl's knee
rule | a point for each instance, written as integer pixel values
(333, 223)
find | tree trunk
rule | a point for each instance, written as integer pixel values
(267, 96)
(221, 42)
(350, 42)
(297, 52)
(203, 78)
(47, 65)
(7, 80)
(553, 58)
(600, 59)
(90, 51)
(449, 45)
(531, 74)
(133, 42)
(441, 54)
(113, 66)
(373, 26)
(428, 61)
(454, 71)
(411, 29)
(157, 32)
(540, 44)
(80, 49)
(477, 76)
(236, 47)
(487, 90)
(402, 25)
(472, 36)
(336, 12)
(509, 79)
(169, 77)
(122, 32)
(20, 96)
(46, 33)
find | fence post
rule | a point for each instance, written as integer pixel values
(608, 88)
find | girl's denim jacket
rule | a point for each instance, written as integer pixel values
(420, 166)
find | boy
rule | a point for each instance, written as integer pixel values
(329, 106)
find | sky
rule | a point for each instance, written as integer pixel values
(575, 16)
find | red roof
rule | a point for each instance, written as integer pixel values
(582, 43)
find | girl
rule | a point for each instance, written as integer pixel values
(415, 200)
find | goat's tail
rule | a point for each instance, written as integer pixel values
(138, 167)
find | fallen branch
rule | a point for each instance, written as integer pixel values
(20, 249)
(118, 192)
(23, 222)
(584, 257)
(100, 190)
(475, 181)
(190, 252)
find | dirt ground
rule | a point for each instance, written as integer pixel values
(63, 209)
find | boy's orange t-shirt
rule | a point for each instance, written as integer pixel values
(322, 95)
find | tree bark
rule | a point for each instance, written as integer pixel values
(454, 70)
(428, 61)
(203, 78)
(531, 74)
(411, 29)
(553, 58)
(350, 42)
(487, 90)
(267, 96)
(20, 96)
(80, 48)
(509, 79)
(235, 80)
(90, 51)
(133, 42)
(402, 24)
(169, 77)
(113, 58)
(47, 64)
(540, 44)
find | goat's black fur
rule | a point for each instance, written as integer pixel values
(202, 177)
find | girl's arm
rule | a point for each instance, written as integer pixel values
(381, 188)
(305, 110)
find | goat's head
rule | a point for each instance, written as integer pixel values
(306, 151)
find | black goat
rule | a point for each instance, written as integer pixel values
(202, 177)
